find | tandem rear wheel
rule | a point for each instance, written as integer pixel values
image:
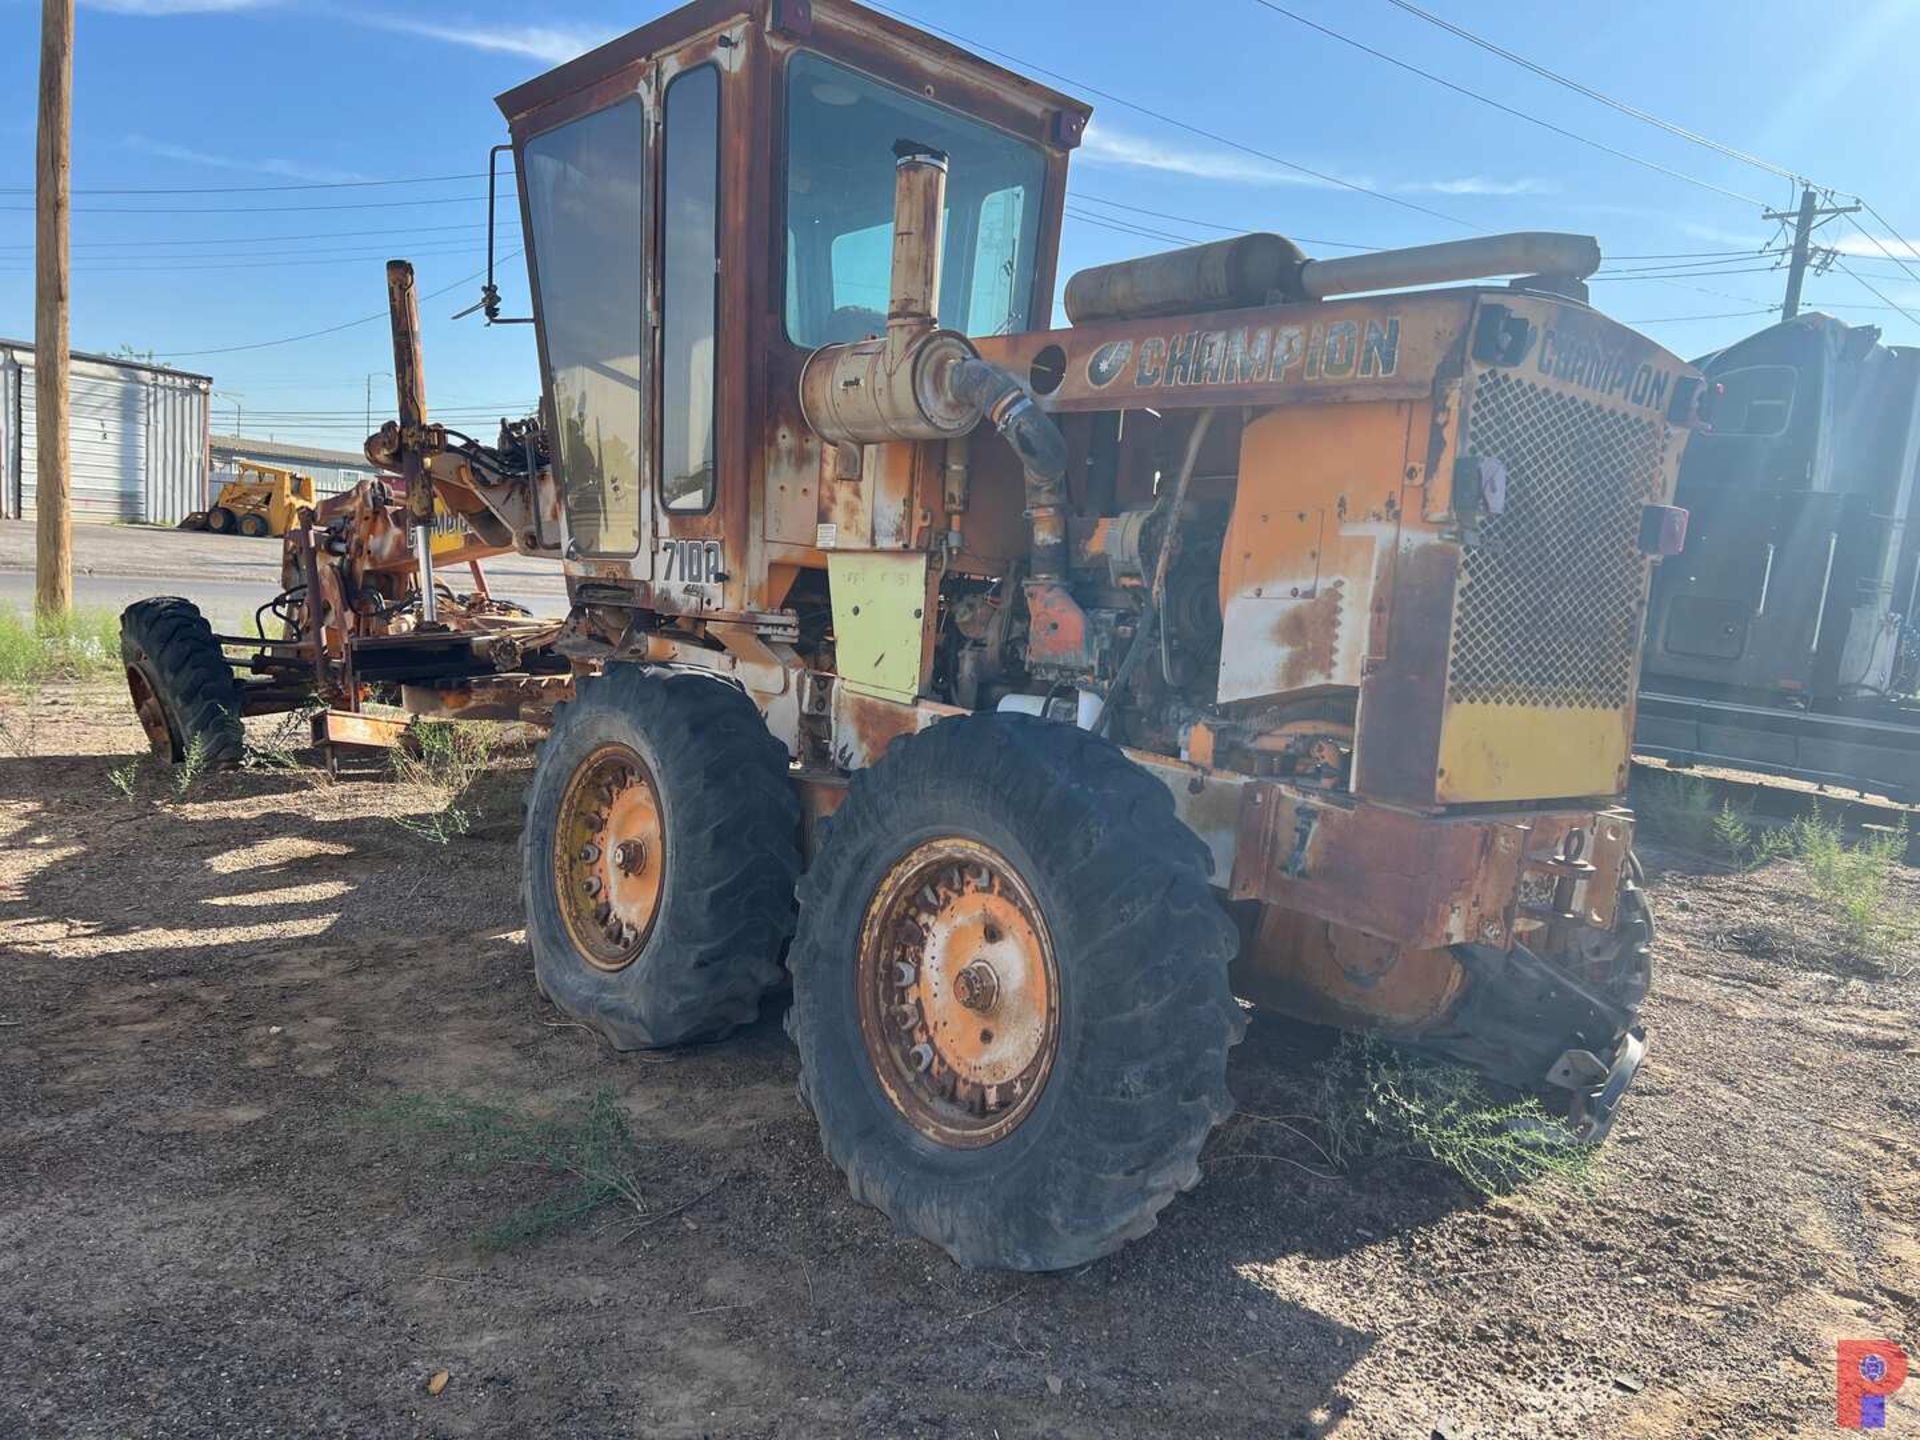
(1010, 993)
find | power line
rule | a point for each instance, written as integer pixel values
(261, 189)
(1693, 137)
(1506, 109)
(257, 209)
(1124, 228)
(331, 329)
(1166, 119)
(246, 262)
(1215, 225)
(1646, 116)
(1699, 267)
(1844, 269)
(1876, 240)
(1678, 319)
(254, 239)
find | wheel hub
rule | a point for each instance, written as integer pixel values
(959, 992)
(151, 711)
(608, 854)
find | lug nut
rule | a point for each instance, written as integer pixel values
(921, 1056)
(589, 853)
(904, 974)
(593, 885)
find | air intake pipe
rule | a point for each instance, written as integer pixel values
(920, 382)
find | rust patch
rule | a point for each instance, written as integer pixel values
(1308, 634)
(1330, 975)
(1403, 702)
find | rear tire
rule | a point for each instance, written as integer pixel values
(673, 783)
(254, 526)
(221, 520)
(182, 685)
(1087, 847)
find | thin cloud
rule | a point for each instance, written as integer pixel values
(286, 169)
(1480, 185)
(549, 43)
(1719, 235)
(1104, 146)
(1859, 246)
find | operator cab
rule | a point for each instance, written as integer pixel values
(708, 200)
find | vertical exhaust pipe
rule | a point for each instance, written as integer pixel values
(919, 210)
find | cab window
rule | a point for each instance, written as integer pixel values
(841, 129)
(690, 295)
(586, 193)
(1755, 400)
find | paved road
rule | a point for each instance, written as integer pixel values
(227, 576)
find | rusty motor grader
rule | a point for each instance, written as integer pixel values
(1269, 631)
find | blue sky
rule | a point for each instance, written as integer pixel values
(244, 93)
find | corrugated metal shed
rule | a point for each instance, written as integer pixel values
(333, 470)
(138, 437)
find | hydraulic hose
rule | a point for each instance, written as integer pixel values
(1042, 451)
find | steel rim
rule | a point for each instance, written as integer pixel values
(959, 992)
(152, 714)
(609, 857)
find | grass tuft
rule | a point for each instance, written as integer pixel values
(1378, 1100)
(589, 1153)
(34, 650)
(446, 763)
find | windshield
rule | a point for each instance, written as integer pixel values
(587, 196)
(841, 129)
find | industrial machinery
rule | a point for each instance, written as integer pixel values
(1035, 692)
(1785, 641)
(352, 624)
(260, 500)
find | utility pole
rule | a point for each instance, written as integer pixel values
(53, 558)
(1811, 211)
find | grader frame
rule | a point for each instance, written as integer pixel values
(1256, 617)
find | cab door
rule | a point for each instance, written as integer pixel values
(689, 560)
(585, 186)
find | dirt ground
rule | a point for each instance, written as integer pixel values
(202, 1232)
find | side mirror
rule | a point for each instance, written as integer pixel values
(489, 302)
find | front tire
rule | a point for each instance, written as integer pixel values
(182, 685)
(658, 858)
(1010, 993)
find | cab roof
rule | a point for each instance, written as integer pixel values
(796, 19)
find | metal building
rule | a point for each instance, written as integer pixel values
(333, 470)
(138, 437)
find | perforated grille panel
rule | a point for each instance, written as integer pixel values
(1549, 602)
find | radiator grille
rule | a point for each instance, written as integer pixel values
(1549, 605)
